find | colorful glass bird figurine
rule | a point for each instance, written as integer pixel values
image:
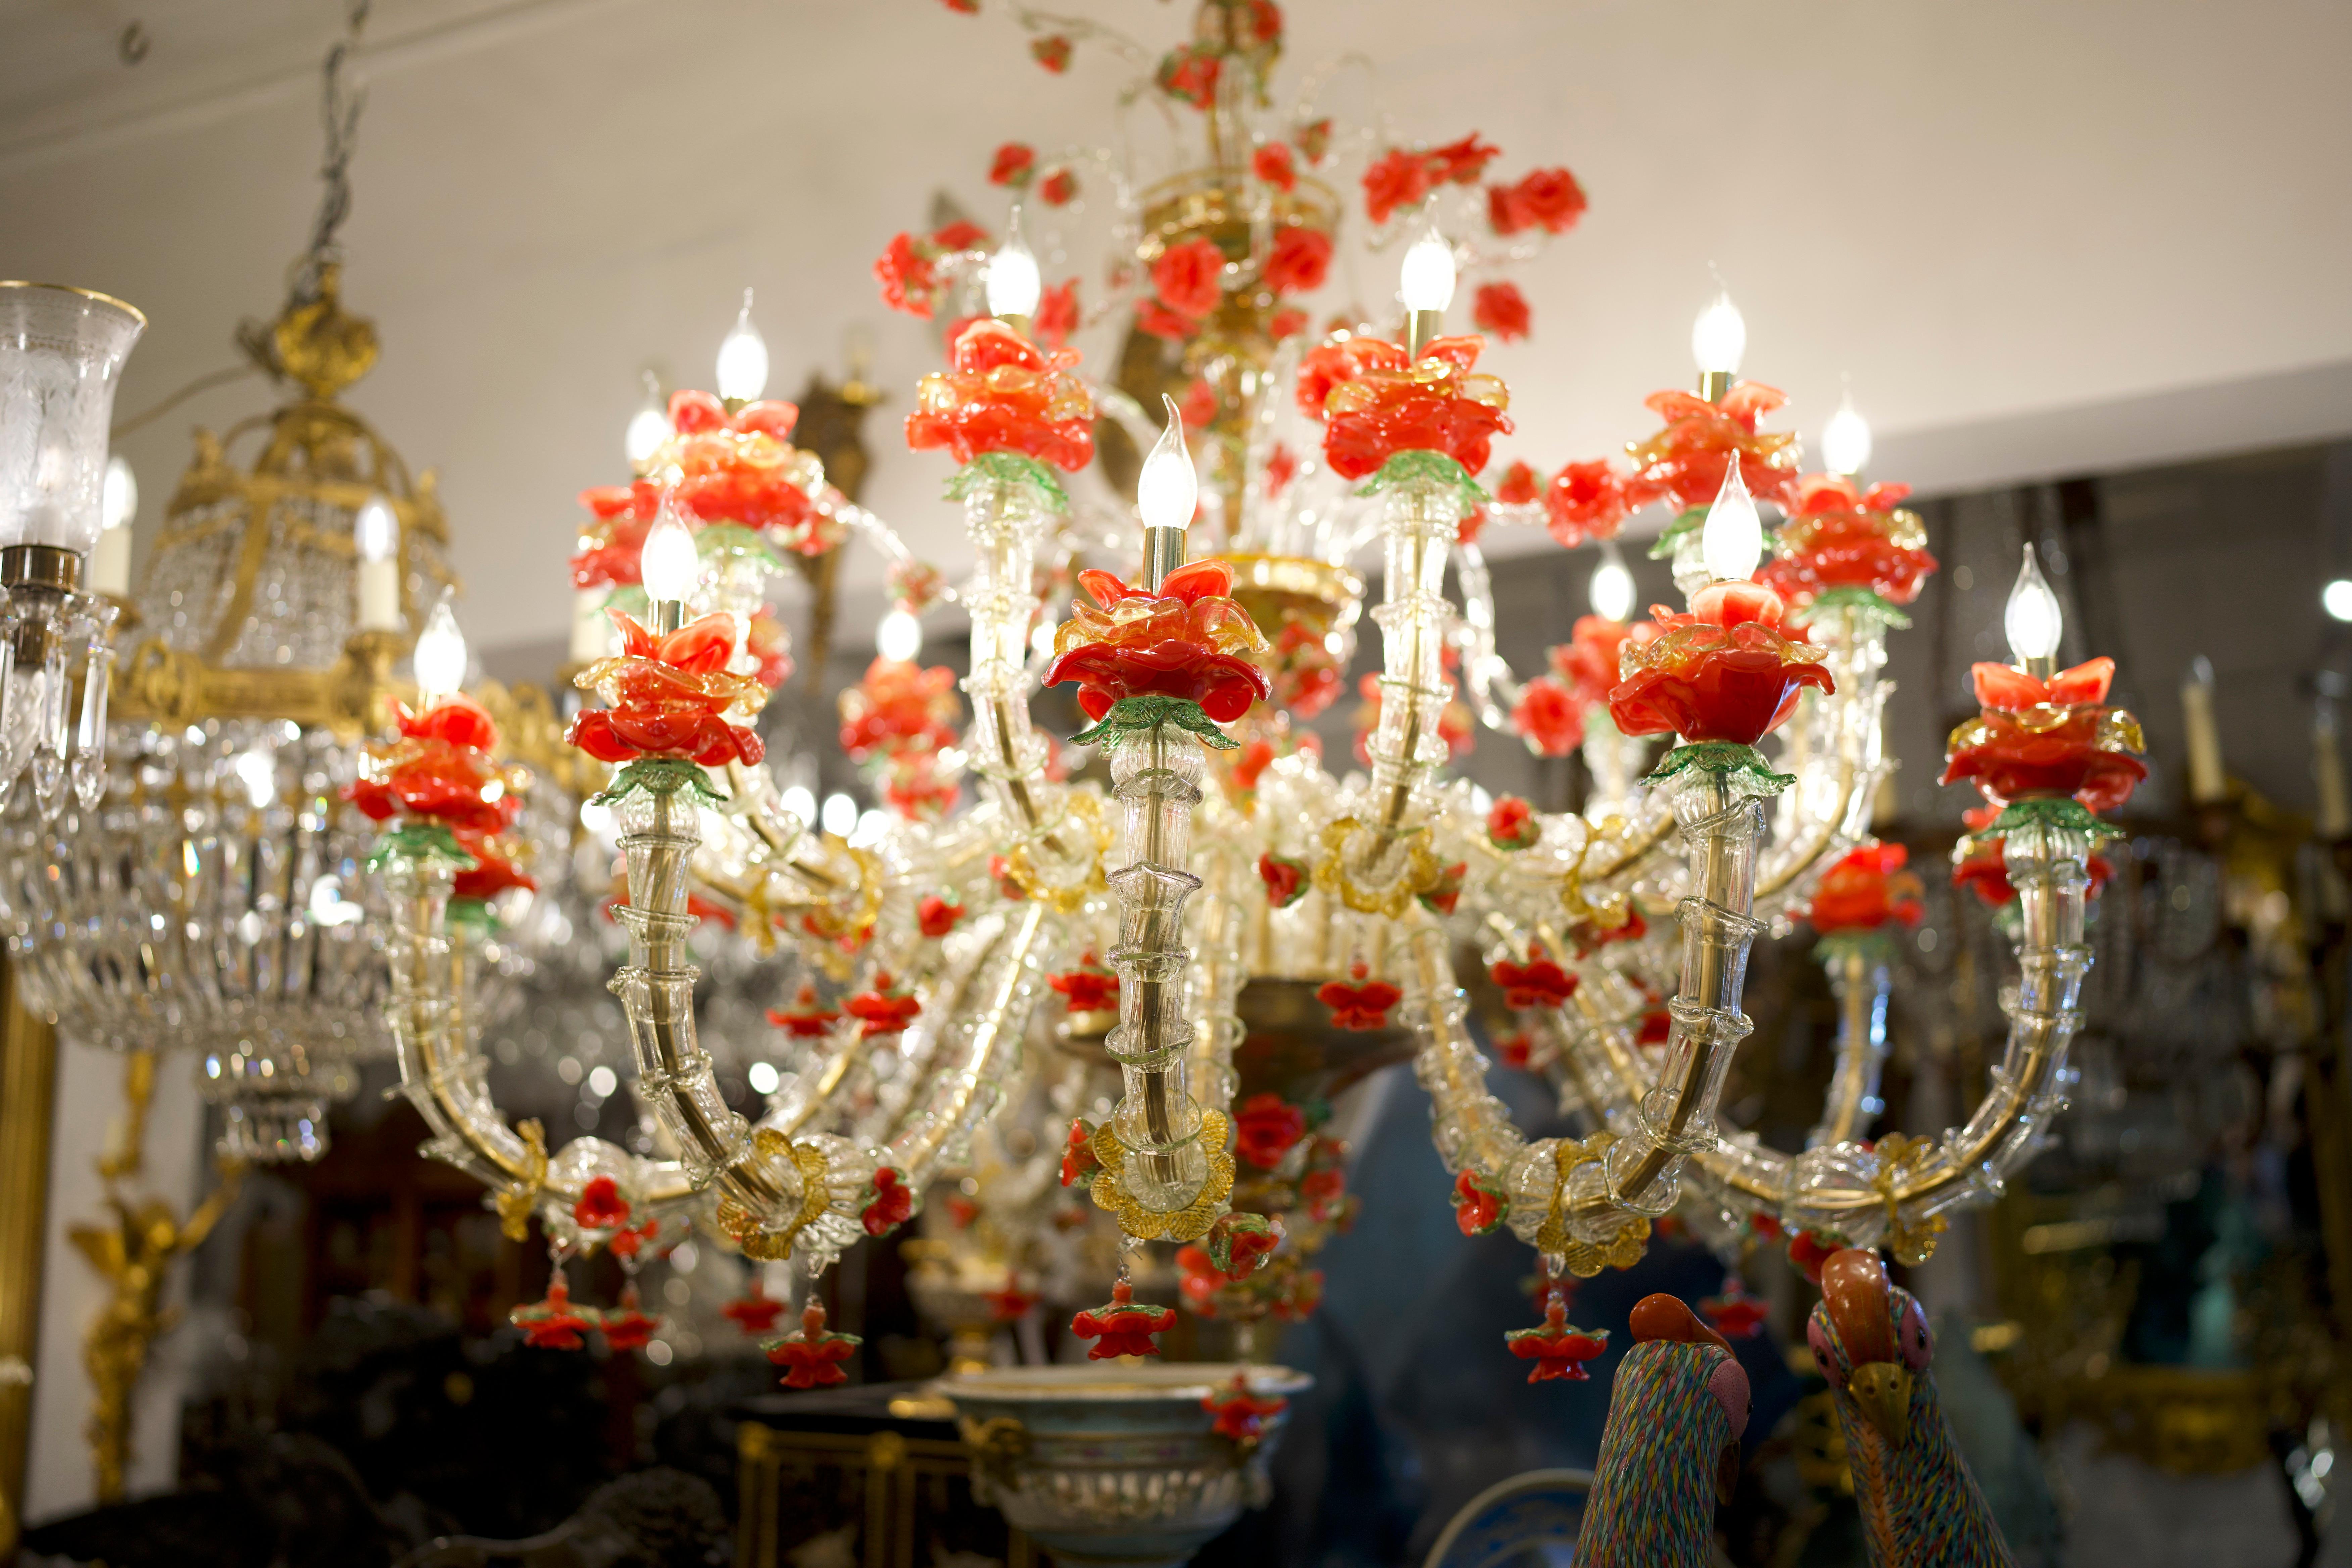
(1921, 1505)
(1670, 1452)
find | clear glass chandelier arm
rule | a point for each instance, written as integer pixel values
(1837, 753)
(1006, 752)
(985, 1043)
(1229, 893)
(1421, 522)
(1861, 983)
(1473, 1129)
(884, 538)
(1155, 777)
(1494, 690)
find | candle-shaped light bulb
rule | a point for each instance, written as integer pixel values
(2327, 771)
(742, 372)
(899, 635)
(2207, 781)
(1719, 338)
(1426, 281)
(1731, 542)
(1611, 589)
(375, 537)
(1014, 281)
(1845, 441)
(118, 498)
(669, 566)
(1169, 490)
(2033, 618)
(649, 426)
(440, 656)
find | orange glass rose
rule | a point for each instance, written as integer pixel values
(669, 697)
(1866, 889)
(438, 770)
(2048, 739)
(1689, 458)
(1839, 536)
(1190, 640)
(1002, 393)
(1376, 401)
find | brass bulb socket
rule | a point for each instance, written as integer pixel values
(1163, 552)
(44, 568)
(1420, 327)
(1714, 385)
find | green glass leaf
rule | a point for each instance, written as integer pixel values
(1434, 469)
(1132, 716)
(1011, 471)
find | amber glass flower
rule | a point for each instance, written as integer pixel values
(1189, 640)
(1838, 536)
(1002, 393)
(669, 697)
(1376, 402)
(2048, 739)
(1723, 672)
(1702, 439)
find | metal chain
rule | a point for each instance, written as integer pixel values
(339, 109)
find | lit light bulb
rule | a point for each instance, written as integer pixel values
(376, 531)
(1719, 337)
(1611, 588)
(1426, 280)
(1168, 491)
(840, 814)
(1845, 441)
(899, 636)
(801, 801)
(440, 656)
(649, 426)
(2033, 618)
(669, 567)
(742, 372)
(118, 500)
(2337, 599)
(1014, 281)
(1731, 542)
(1041, 640)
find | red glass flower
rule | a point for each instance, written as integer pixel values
(1240, 1241)
(1189, 278)
(1119, 1327)
(1477, 1207)
(1078, 1161)
(1240, 1415)
(1589, 661)
(1306, 677)
(1361, 1005)
(437, 770)
(884, 1010)
(1052, 51)
(1271, 163)
(493, 871)
(813, 1356)
(1265, 1128)
(1285, 880)
(741, 469)
(1519, 486)
(1088, 988)
(1840, 537)
(1558, 1348)
(1502, 309)
(1299, 261)
(935, 917)
(669, 697)
(552, 1323)
(1445, 893)
(1377, 403)
(628, 1327)
(756, 1313)
(1687, 458)
(1538, 982)
(1015, 162)
(1736, 1314)
(1722, 673)
(893, 1205)
(1324, 1188)
(1512, 825)
(601, 1205)
(1004, 393)
(1548, 199)
(1548, 716)
(1808, 1249)
(1586, 501)
(898, 707)
(1399, 178)
(806, 1019)
(1868, 890)
(1189, 640)
(2047, 740)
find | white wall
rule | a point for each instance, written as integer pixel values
(2037, 235)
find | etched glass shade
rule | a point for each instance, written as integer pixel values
(61, 354)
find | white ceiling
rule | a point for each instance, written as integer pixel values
(2039, 236)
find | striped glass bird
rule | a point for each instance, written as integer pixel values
(1920, 1506)
(1670, 1452)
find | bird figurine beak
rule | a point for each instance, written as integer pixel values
(1882, 1390)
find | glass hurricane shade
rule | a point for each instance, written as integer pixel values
(61, 354)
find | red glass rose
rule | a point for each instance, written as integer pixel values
(669, 697)
(1015, 162)
(1090, 988)
(741, 469)
(1839, 537)
(1588, 661)
(893, 1204)
(1586, 501)
(1052, 51)
(884, 1010)
(1057, 314)
(1004, 393)
(1187, 278)
(1548, 199)
(935, 917)
(1265, 1128)
(1189, 640)
(1378, 404)
(1538, 982)
(1120, 1327)
(1462, 162)
(1868, 890)
(1399, 178)
(1701, 441)
(1240, 1415)
(1502, 309)
(1477, 1207)
(1285, 880)
(628, 1327)
(1512, 823)
(552, 1323)
(1736, 1314)
(1273, 164)
(899, 707)
(1299, 261)
(755, 1313)
(438, 769)
(1519, 486)
(493, 871)
(1722, 673)
(806, 1019)
(2048, 739)
(1549, 718)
